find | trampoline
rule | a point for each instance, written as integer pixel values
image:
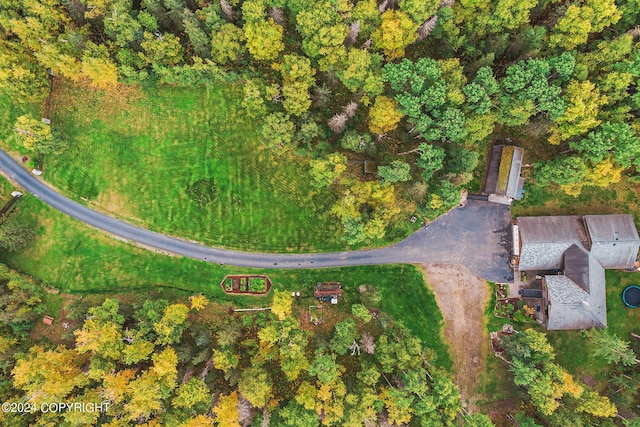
(631, 296)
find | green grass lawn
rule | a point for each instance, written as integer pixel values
(573, 350)
(136, 153)
(75, 258)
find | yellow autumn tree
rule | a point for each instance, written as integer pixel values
(198, 302)
(384, 115)
(227, 411)
(603, 174)
(198, 421)
(98, 67)
(379, 199)
(396, 33)
(281, 304)
(165, 367)
(583, 103)
(597, 405)
(114, 385)
(47, 375)
(331, 401)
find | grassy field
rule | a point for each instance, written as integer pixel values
(74, 258)
(139, 153)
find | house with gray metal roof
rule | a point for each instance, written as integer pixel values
(570, 254)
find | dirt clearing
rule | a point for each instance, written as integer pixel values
(462, 298)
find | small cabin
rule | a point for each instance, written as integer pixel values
(47, 320)
(328, 291)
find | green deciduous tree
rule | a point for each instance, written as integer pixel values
(325, 171)
(562, 171)
(430, 93)
(431, 160)
(324, 366)
(296, 415)
(15, 233)
(418, 10)
(37, 136)
(297, 75)
(361, 312)
(396, 172)
(192, 394)
(618, 139)
(362, 72)
(534, 368)
(366, 12)
(228, 44)
(610, 347)
(527, 89)
(480, 90)
(264, 39)
(323, 33)
(278, 131)
(255, 386)
(343, 336)
(354, 141)
(162, 50)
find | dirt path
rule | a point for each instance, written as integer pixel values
(462, 298)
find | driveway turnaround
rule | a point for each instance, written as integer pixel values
(475, 236)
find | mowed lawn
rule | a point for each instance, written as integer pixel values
(75, 258)
(136, 152)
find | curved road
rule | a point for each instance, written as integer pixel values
(476, 236)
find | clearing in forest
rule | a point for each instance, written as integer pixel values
(187, 162)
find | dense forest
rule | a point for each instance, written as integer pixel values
(420, 87)
(196, 364)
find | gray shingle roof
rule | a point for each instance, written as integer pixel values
(615, 240)
(573, 308)
(584, 247)
(544, 240)
(576, 266)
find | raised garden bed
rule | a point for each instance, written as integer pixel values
(515, 309)
(242, 284)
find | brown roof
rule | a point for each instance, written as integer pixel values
(48, 320)
(327, 289)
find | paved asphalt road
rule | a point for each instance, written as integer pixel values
(475, 236)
